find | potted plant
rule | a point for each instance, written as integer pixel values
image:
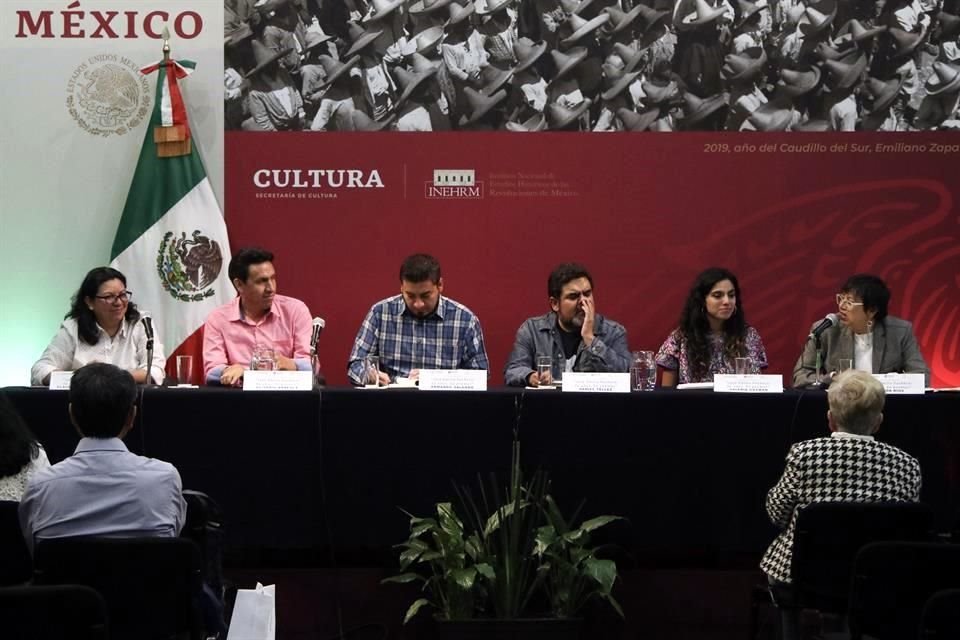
(512, 555)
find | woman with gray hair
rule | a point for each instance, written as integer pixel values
(848, 466)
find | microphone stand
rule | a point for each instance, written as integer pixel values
(149, 381)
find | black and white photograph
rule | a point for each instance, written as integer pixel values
(591, 65)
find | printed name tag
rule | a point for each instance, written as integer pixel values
(749, 383)
(453, 379)
(60, 380)
(905, 384)
(277, 380)
(581, 382)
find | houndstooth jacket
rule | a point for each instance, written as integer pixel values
(842, 468)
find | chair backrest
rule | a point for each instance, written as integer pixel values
(15, 562)
(893, 580)
(151, 585)
(829, 534)
(940, 618)
(31, 612)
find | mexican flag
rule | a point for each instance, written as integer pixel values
(171, 243)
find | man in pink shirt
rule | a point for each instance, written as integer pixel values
(257, 316)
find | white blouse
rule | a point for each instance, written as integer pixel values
(127, 350)
(12, 487)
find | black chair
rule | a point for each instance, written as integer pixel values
(891, 583)
(828, 536)
(940, 618)
(151, 585)
(69, 611)
(15, 562)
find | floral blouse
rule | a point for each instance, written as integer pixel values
(673, 355)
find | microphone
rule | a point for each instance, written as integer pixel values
(824, 324)
(318, 325)
(147, 322)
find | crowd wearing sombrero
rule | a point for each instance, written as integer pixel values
(592, 65)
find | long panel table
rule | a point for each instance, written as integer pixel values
(304, 474)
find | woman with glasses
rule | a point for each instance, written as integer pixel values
(713, 332)
(866, 336)
(101, 326)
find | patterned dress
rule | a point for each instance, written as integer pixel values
(673, 355)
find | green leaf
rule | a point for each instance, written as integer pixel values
(464, 577)
(501, 514)
(486, 571)
(616, 605)
(546, 536)
(473, 547)
(403, 578)
(424, 525)
(410, 556)
(449, 522)
(412, 611)
(430, 556)
(595, 523)
(603, 571)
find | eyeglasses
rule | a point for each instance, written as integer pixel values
(110, 298)
(844, 302)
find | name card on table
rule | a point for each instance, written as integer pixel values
(453, 379)
(582, 382)
(254, 380)
(60, 380)
(901, 383)
(747, 383)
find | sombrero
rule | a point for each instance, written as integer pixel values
(381, 9)
(620, 20)
(630, 57)
(883, 93)
(858, 32)
(567, 61)
(335, 68)
(480, 104)
(619, 82)
(428, 40)
(362, 122)
(537, 122)
(360, 38)
(427, 6)
(847, 70)
(905, 42)
(315, 39)
(559, 116)
(944, 79)
(697, 108)
(658, 93)
(527, 53)
(487, 7)
(771, 116)
(796, 82)
(749, 9)
(410, 80)
(580, 27)
(264, 56)
(459, 13)
(493, 78)
(819, 17)
(745, 66)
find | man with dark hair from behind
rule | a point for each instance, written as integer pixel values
(103, 489)
(418, 329)
(572, 332)
(257, 316)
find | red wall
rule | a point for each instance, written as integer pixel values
(649, 212)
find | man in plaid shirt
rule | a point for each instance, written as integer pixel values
(418, 329)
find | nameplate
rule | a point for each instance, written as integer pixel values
(453, 379)
(747, 383)
(582, 382)
(903, 384)
(60, 380)
(277, 380)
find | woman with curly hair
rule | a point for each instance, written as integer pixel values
(713, 332)
(20, 453)
(101, 326)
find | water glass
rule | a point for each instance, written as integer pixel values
(370, 376)
(744, 366)
(184, 369)
(559, 366)
(264, 358)
(843, 364)
(545, 370)
(643, 371)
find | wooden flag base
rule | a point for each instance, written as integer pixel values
(171, 141)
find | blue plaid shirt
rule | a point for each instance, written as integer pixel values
(449, 338)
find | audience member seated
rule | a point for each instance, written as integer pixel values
(101, 326)
(848, 466)
(713, 332)
(573, 331)
(872, 340)
(103, 489)
(20, 454)
(258, 316)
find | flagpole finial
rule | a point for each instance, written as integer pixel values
(166, 43)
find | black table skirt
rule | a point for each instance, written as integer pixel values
(323, 474)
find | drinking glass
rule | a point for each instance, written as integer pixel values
(371, 371)
(843, 364)
(264, 358)
(545, 370)
(184, 369)
(643, 371)
(744, 366)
